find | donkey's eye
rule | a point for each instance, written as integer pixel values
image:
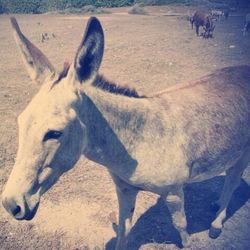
(52, 134)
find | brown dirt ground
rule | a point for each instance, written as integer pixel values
(150, 53)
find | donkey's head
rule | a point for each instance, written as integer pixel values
(208, 28)
(51, 135)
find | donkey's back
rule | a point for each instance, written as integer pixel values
(212, 118)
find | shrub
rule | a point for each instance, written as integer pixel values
(40, 6)
(1, 7)
(88, 9)
(52, 5)
(137, 9)
(158, 2)
(113, 3)
(24, 6)
(94, 10)
(98, 3)
(85, 9)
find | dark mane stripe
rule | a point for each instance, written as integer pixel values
(102, 83)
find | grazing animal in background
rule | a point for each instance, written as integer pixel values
(247, 24)
(187, 133)
(201, 18)
(217, 14)
(46, 36)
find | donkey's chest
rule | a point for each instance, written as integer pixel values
(157, 168)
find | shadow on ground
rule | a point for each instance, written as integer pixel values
(155, 225)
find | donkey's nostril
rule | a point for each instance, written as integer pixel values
(16, 210)
(12, 207)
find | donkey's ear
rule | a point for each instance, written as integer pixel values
(36, 62)
(89, 54)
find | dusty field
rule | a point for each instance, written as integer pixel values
(149, 53)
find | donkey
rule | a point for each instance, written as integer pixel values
(201, 18)
(158, 143)
(217, 14)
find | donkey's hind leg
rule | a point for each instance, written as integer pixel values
(126, 195)
(175, 204)
(232, 181)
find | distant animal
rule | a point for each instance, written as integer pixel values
(46, 36)
(187, 133)
(219, 14)
(203, 19)
(246, 28)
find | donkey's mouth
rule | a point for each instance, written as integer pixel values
(30, 213)
(26, 212)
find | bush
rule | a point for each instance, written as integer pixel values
(137, 9)
(85, 9)
(24, 6)
(1, 7)
(94, 10)
(40, 6)
(158, 2)
(56, 5)
(61, 4)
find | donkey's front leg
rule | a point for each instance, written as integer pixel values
(175, 203)
(126, 199)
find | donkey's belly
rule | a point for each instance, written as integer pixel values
(204, 169)
(158, 178)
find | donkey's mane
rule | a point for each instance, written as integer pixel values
(102, 83)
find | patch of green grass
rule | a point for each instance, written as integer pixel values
(159, 2)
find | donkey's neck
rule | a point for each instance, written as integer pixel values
(113, 123)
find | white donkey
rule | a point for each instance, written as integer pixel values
(187, 133)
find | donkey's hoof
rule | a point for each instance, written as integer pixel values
(214, 232)
(186, 244)
(185, 240)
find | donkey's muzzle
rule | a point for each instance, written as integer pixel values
(19, 209)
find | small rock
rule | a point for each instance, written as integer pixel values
(30, 226)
